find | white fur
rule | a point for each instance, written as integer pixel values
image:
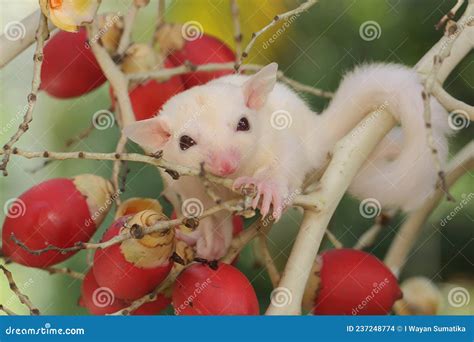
(400, 173)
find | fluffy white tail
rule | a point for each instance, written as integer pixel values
(401, 172)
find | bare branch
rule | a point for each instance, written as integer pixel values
(27, 28)
(349, 154)
(22, 297)
(235, 11)
(409, 231)
(42, 34)
(268, 260)
(280, 17)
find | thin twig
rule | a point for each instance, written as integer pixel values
(66, 271)
(268, 260)
(166, 73)
(334, 240)
(368, 238)
(235, 11)
(22, 297)
(128, 21)
(450, 15)
(233, 205)
(7, 311)
(295, 12)
(155, 160)
(42, 34)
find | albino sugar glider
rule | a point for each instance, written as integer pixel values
(231, 125)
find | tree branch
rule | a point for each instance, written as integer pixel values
(42, 34)
(22, 297)
(411, 228)
(279, 17)
(349, 155)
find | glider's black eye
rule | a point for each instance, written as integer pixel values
(186, 142)
(243, 124)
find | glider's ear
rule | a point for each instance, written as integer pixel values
(257, 88)
(153, 133)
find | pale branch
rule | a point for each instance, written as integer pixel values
(450, 15)
(450, 103)
(334, 240)
(114, 75)
(428, 85)
(233, 205)
(21, 296)
(7, 310)
(166, 73)
(128, 21)
(349, 155)
(120, 148)
(408, 233)
(174, 170)
(268, 259)
(461, 46)
(367, 239)
(66, 271)
(235, 12)
(52, 270)
(278, 18)
(42, 34)
(241, 240)
(13, 47)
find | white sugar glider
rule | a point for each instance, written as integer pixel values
(255, 130)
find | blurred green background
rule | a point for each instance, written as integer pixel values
(317, 48)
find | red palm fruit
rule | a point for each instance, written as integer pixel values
(201, 290)
(135, 267)
(69, 67)
(199, 49)
(59, 212)
(101, 300)
(351, 282)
